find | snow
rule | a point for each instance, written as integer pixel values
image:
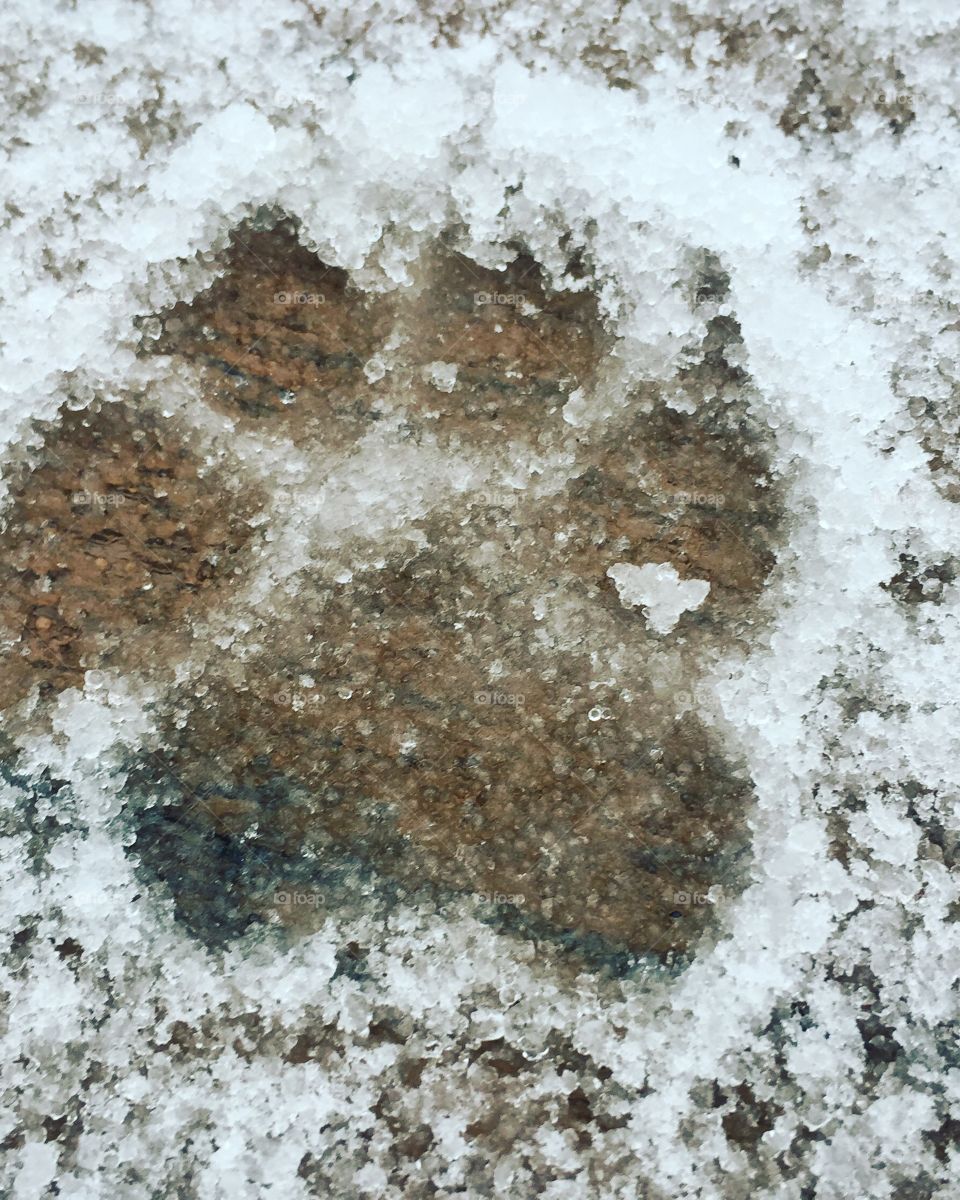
(658, 588)
(845, 280)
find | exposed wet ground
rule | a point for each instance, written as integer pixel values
(458, 705)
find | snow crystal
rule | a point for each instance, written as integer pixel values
(442, 375)
(660, 590)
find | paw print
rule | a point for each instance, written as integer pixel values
(432, 676)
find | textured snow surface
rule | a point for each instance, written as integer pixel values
(812, 1050)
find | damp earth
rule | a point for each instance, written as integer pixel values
(411, 674)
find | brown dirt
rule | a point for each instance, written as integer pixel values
(425, 720)
(115, 533)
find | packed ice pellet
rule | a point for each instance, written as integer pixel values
(657, 587)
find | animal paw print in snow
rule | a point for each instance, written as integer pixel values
(447, 694)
